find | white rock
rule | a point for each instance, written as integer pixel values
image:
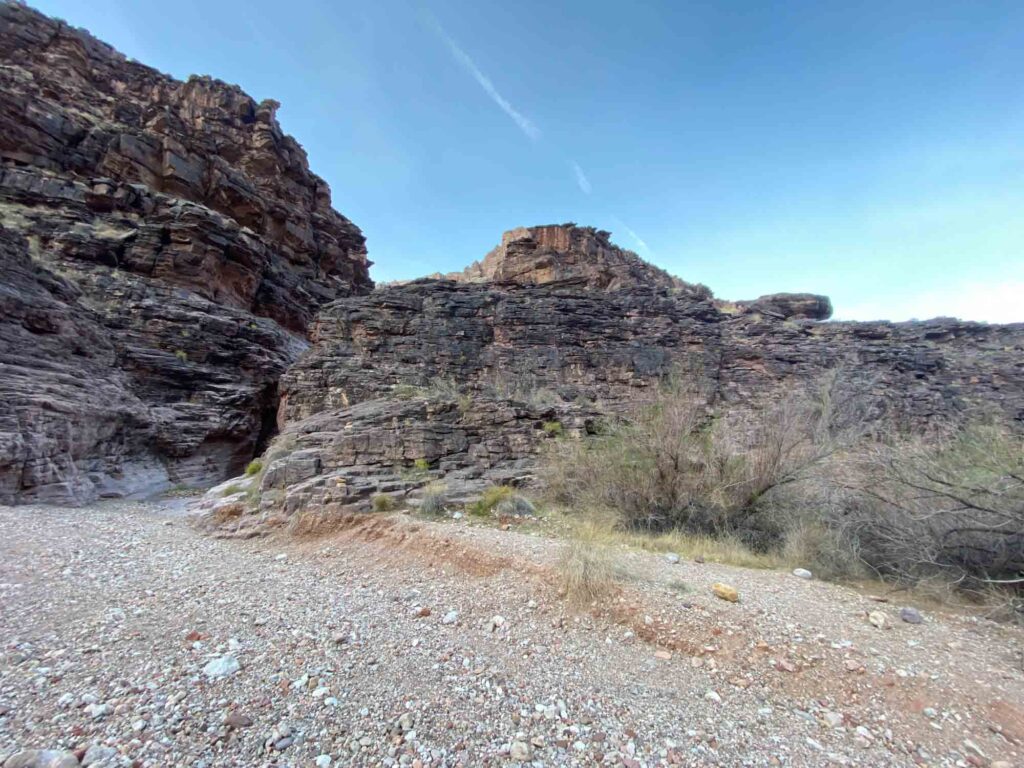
(802, 573)
(98, 754)
(832, 719)
(450, 618)
(323, 761)
(221, 667)
(497, 622)
(42, 758)
(713, 696)
(672, 557)
(519, 751)
(98, 711)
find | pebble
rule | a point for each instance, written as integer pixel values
(519, 751)
(725, 592)
(878, 619)
(672, 557)
(323, 761)
(222, 666)
(98, 754)
(802, 573)
(911, 615)
(98, 711)
(450, 618)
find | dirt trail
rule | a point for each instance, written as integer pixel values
(401, 642)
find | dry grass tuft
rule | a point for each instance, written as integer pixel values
(587, 568)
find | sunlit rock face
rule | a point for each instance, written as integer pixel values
(164, 249)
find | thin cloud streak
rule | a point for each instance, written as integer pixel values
(525, 124)
(636, 238)
(581, 179)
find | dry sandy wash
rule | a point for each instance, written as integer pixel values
(128, 639)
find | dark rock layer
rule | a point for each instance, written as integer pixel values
(463, 382)
(165, 248)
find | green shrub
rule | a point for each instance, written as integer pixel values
(951, 508)
(553, 428)
(502, 500)
(232, 489)
(490, 499)
(515, 506)
(254, 467)
(383, 503)
(406, 391)
(421, 465)
(181, 354)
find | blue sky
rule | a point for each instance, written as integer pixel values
(872, 151)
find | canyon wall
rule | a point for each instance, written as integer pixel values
(462, 381)
(164, 249)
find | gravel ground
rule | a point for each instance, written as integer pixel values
(127, 638)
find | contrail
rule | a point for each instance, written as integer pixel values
(636, 238)
(524, 123)
(581, 179)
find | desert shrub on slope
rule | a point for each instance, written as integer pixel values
(674, 462)
(952, 507)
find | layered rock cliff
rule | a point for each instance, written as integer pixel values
(462, 381)
(564, 254)
(165, 247)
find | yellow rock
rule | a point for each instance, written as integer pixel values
(725, 592)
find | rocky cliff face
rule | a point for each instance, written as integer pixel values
(463, 381)
(165, 248)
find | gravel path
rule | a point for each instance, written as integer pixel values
(130, 639)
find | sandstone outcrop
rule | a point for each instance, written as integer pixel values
(165, 248)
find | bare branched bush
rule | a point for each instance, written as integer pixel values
(953, 507)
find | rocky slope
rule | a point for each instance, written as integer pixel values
(165, 247)
(463, 381)
(396, 641)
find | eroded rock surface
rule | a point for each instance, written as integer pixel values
(462, 382)
(165, 248)
(564, 254)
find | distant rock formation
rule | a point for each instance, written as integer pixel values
(564, 254)
(462, 381)
(164, 249)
